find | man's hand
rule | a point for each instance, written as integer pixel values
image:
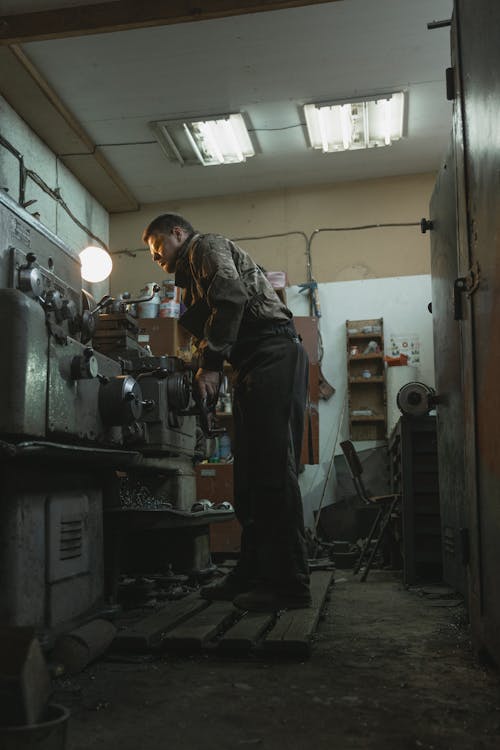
(207, 383)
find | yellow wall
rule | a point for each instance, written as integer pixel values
(336, 256)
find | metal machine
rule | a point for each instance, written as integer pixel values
(78, 429)
(416, 399)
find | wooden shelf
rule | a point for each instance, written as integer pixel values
(372, 418)
(373, 379)
(372, 355)
(364, 335)
(366, 394)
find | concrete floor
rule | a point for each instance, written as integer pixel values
(391, 669)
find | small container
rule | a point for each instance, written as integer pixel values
(366, 374)
(224, 446)
(354, 351)
(277, 279)
(215, 456)
(372, 348)
(48, 734)
(150, 307)
(168, 289)
(169, 308)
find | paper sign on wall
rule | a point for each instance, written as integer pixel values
(405, 343)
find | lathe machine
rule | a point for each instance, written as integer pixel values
(80, 430)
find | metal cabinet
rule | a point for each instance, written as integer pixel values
(414, 474)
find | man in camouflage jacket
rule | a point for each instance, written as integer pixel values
(235, 315)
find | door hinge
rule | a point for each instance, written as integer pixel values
(450, 84)
(465, 545)
(465, 284)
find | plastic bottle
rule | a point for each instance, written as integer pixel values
(224, 446)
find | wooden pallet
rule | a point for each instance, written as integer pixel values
(193, 624)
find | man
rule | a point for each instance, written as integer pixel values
(236, 316)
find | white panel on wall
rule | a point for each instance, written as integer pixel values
(402, 302)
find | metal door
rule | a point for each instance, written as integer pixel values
(478, 108)
(447, 362)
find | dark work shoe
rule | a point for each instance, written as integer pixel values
(263, 599)
(226, 589)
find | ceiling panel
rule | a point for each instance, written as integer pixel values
(266, 65)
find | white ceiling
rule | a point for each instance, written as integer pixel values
(266, 65)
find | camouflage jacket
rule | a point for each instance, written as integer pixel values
(226, 294)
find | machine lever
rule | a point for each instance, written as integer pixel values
(107, 300)
(205, 411)
(104, 302)
(155, 290)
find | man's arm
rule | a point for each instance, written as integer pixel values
(214, 271)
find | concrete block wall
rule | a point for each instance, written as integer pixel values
(40, 159)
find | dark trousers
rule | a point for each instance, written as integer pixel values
(270, 391)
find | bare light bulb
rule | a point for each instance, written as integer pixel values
(96, 264)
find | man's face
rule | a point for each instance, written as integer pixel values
(164, 247)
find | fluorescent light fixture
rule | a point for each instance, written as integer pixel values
(212, 141)
(96, 264)
(363, 123)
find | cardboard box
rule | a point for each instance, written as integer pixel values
(164, 335)
(215, 482)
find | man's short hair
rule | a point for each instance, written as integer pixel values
(164, 224)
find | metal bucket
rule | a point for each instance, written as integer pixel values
(47, 735)
(149, 309)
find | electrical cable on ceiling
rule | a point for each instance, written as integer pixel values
(54, 193)
(107, 145)
(155, 142)
(270, 130)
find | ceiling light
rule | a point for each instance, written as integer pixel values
(96, 264)
(216, 140)
(363, 123)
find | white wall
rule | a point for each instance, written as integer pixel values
(402, 303)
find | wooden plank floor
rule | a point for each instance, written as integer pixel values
(246, 633)
(295, 628)
(193, 634)
(148, 633)
(193, 624)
